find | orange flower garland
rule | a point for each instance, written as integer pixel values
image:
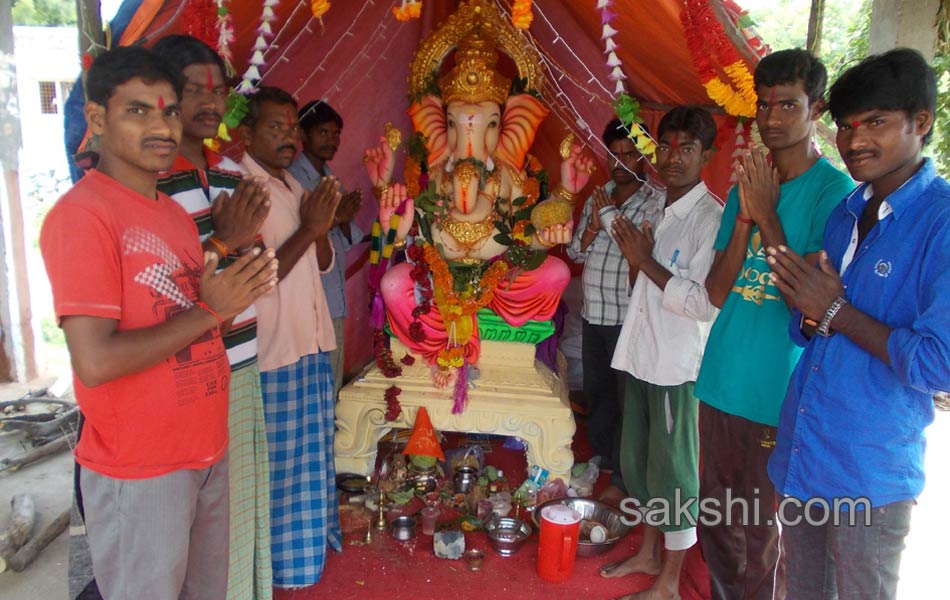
(409, 9)
(706, 41)
(319, 8)
(457, 309)
(521, 15)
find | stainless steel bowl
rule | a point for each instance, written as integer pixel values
(403, 528)
(609, 517)
(507, 534)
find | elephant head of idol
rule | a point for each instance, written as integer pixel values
(475, 124)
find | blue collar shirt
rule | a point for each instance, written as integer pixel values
(852, 426)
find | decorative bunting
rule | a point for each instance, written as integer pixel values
(225, 37)
(264, 31)
(626, 107)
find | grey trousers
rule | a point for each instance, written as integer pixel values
(161, 538)
(845, 561)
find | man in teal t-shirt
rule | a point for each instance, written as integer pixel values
(749, 357)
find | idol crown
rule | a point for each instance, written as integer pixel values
(474, 79)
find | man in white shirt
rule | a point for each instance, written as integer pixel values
(661, 347)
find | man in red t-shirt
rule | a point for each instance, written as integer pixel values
(141, 308)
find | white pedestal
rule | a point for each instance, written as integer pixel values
(513, 395)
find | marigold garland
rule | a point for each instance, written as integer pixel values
(706, 41)
(409, 9)
(521, 15)
(455, 306)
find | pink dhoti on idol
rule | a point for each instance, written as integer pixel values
(532, 296)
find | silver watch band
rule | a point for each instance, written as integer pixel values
(824, 328)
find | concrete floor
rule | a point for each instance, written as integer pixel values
(923, 569)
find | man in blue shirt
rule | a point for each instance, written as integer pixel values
(876, 337)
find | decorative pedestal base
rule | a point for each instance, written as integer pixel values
(513, 395)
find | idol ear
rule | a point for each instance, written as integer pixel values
(428, 118)
(519, 125)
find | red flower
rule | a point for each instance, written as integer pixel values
(384, 356)
(416, 332)
(415, 253)
(393, 408)
(408, 360)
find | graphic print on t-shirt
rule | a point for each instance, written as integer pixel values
(173, 284)
(754, 283)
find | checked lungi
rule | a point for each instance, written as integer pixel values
(298, 410)
(249, 567)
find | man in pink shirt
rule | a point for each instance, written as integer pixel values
(295, 336)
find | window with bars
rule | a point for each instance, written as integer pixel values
(48, 103)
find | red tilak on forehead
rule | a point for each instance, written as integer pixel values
(771, 97)
(161, 102)
(675, 144)
(855, 124)
(210, 82)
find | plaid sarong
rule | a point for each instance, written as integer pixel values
(298, 410)
(249, 565)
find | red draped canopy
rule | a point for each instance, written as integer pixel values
(358, 61)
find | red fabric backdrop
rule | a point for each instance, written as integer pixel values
(359, 60)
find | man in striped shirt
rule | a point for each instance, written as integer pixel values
(228, 212)
(607, 283)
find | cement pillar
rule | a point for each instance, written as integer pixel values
(904, 23)
(17, 354)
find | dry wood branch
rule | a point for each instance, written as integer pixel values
(31, 550)
(54, 447)
(22, 520)
(55, 425)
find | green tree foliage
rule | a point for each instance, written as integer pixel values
(44, 13)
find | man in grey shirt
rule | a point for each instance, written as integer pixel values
(607, 283)
(322, 127)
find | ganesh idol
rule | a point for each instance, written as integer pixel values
(480, 206)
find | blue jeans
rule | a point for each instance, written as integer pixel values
(845, 562)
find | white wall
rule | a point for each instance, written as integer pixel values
(42, 54)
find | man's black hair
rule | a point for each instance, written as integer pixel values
(615, 130)
(263, 94)
(120, 65)
(787, 67)
(318, 112)
(693, 120)
(182, 51)
(899, 79)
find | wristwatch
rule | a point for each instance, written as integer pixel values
(824, 328)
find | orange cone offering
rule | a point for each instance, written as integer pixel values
(423, 441)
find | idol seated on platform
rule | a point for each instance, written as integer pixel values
(472, 191)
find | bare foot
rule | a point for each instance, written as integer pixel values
(443, 378)
(612, 496)
(635, 564)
